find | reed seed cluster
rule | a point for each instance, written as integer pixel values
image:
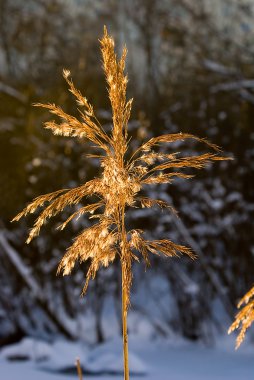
(245, 317)
(122, 177)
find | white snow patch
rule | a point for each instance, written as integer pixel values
(164, 360)
(63, 356)
(108, 358)
(27, 349)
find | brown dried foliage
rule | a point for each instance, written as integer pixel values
(119, 183)
(245, 317)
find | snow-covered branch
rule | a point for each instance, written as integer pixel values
(4, 88)
(201, 257)
(233, 86)
(218, 68)
(59, 318)
(20, 266)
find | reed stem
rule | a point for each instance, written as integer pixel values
(124, 292)
(124, 321)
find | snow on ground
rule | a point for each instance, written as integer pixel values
(156, 360)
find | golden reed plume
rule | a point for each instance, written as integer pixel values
(245, 317)
(118, 185)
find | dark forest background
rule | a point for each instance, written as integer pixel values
(190, 68)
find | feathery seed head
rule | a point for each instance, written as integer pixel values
(245, 316)
(119, 182)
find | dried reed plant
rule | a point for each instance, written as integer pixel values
(245, 317)
(118, 187)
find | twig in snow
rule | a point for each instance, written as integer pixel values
(79, 370)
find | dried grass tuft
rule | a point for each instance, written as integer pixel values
(245, 317)
(118, 185)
